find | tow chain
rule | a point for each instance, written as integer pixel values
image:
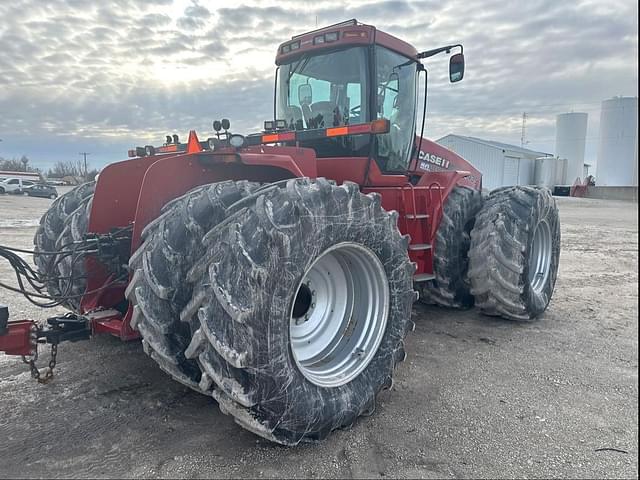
(69, 327)
(48, 373)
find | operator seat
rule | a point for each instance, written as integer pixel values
(292, 114)
(324, 108)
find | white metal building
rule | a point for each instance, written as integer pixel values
(501, 164)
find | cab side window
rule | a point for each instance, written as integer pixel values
(396, 101)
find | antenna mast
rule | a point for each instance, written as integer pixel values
(523, 137)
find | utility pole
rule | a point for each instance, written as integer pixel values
(84, 154)
(523, 137)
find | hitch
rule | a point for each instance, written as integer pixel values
(23, 336)
(67, 328)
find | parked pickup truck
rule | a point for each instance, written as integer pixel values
(14, 185)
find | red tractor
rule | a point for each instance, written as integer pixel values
(277, 271)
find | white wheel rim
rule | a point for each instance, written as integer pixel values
(540, 257)
(339, 314)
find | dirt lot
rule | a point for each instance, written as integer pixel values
(477, 397)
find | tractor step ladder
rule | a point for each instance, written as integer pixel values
(418, 216)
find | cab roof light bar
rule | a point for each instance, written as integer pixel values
(150, 150)
(379, 126)
(347, 23)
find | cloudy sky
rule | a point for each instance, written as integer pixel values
(103, 76)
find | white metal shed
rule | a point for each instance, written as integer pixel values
(501, 164)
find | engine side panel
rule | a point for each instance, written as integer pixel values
(434, 158)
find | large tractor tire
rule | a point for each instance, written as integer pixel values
(515, 248)
(303, 301)
(66, 221)
(159, 288)
(450, 287)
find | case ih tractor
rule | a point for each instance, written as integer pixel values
(276, 271)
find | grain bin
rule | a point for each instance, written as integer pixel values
(617, 152)
(546, 172)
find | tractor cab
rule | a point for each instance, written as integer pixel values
(348, 74)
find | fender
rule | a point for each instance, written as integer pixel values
(133, 192)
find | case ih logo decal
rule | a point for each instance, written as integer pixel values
(427, 160)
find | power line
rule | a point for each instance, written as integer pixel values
(84, 154)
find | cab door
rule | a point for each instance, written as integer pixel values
(395, 87)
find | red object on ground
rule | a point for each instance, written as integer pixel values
(17, 339)
(579, 189)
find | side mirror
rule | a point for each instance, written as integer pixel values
(305, 94)
(456, 67)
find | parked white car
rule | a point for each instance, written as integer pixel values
(14, 185)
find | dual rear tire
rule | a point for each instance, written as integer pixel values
(514, 254)
(290, 307)
(499, 253)
(65, 222)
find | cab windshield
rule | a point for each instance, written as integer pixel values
(324, 91)
(333, 89)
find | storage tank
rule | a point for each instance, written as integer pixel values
(634, 182)
(545, 172)
(571, 137)
(617, 152)
(561, 171)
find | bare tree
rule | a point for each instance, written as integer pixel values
(67, 168)
(16, 165)
(71, 168)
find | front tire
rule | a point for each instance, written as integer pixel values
(515, 249)
(253, 303)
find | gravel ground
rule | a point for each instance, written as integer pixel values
(477, 397)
